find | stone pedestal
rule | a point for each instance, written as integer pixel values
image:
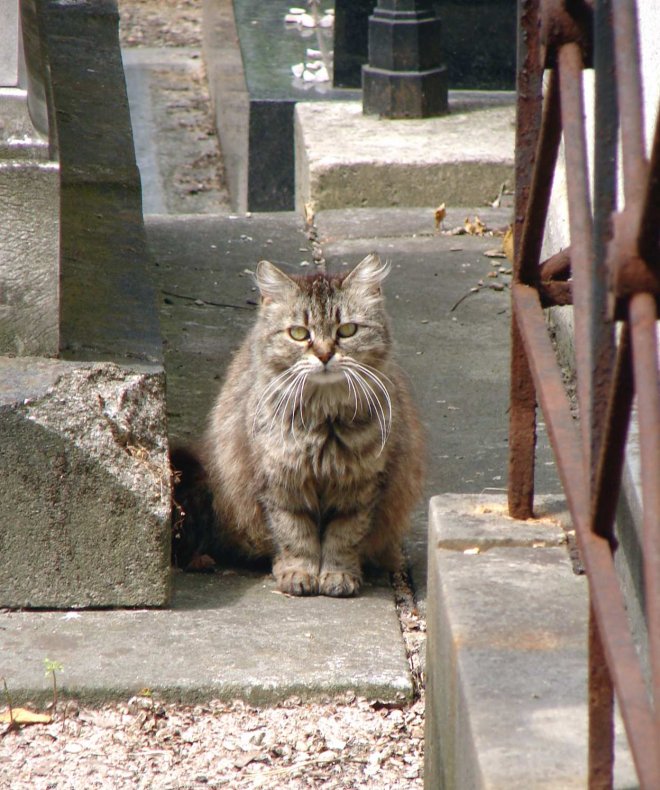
(405, 77)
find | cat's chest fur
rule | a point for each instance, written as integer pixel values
(324, 448)
(324, 461)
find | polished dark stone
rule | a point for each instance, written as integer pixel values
(269, 48)
(479, 42)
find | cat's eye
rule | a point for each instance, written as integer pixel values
(299, 333)
(347, 330)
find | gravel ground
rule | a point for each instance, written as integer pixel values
(141, 743)
(349, 743)
(346, 742)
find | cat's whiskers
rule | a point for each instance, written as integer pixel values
(374, 404)
(364, 366)
(270, 390)
(375, 407)
(291, 400)
(298, 399)
(375, 376)
(281, 395)
(353, 392)
(281, 407)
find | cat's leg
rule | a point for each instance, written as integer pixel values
(341, 572)
(297, 551)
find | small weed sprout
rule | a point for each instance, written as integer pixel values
(52, 668)
(10, 707)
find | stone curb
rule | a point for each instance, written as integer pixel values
(507, 659)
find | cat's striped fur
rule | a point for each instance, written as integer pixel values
(313, 451)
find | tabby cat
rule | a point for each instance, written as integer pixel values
(313, 451)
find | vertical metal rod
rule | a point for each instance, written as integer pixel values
(606, 127)
(603, 502)
(601, 721)
(613, 444)
(522, 430)
(606, 595)
(522, 415)
(643, 317)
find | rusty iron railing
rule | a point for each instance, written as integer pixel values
(610, 273)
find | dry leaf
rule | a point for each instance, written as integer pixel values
(507, 243)
(23, 716)
(440, 214)
(474, 227)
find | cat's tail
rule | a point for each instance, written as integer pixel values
(194, 536)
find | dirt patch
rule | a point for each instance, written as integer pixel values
(160, 23)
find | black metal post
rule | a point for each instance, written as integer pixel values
(405, 77)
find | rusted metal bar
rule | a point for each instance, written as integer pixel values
(522, 414)
(562, 428)
(608, 423)
(613, 444)
(554, 294)
(522, 431)
(625, 246)
(557, 266)
(643, 317)
(630, 273)
(606, 128)
(606, 596)
(601, 705)
(554, 274)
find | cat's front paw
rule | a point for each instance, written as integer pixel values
(297, 583)
(339, 584)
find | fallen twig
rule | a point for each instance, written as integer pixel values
(474, 290)
(203, 302)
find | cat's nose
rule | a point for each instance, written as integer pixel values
(324, 352)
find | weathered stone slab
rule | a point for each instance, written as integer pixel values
(507, 653)
(226, 636)
(344, 158)
(85, 495)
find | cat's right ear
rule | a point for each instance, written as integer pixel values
(273, 284)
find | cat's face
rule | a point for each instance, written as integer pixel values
(327, 329)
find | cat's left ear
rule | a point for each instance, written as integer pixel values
(273, 284)
(368, 276)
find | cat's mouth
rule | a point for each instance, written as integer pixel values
(326, 376)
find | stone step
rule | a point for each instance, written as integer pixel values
(507, 651)
(347, 159)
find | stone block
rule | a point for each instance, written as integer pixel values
(507, 654)
(347, 159)
(85, 498)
